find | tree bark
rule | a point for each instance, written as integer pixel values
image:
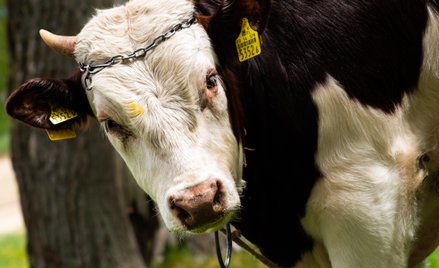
(80, 205)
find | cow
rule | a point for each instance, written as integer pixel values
(310, 125)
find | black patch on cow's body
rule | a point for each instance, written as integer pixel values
(373, 48)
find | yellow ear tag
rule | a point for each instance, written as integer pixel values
(60, 114)
(248, 44)
(135, 109)
(61, 134)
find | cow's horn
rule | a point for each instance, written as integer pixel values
(62, 44)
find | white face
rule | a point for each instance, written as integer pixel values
(166, 114)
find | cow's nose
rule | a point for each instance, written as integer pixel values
(200, 204)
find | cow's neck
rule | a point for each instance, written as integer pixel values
(282, 133)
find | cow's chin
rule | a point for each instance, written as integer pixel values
(210, 227)
(213, 226)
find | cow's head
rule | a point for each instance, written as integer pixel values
(167, 113)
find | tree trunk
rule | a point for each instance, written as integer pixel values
(80, 205)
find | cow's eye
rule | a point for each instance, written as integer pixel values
(115, 128)
(111, 125)
(211, 82)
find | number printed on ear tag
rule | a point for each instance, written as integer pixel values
(248, 44)
(60, 114)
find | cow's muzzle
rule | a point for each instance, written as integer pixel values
(199, 205)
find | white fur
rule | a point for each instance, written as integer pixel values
(371, 208)
(175, 144)
(362, 209)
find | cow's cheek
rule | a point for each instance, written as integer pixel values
(141, 164)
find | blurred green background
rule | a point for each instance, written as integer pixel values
(4, 120)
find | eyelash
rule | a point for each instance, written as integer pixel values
(110, 124)
(116, 129)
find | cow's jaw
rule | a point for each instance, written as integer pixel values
(166, 114)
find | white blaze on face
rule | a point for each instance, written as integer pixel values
(162, 113)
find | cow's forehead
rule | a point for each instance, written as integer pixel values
(125, 28)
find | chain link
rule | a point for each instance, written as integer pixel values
(90, 69)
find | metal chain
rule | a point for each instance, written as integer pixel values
(90, 69)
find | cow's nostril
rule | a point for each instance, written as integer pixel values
(199, 205)
(184, 216)
(181, 213)
(218, 200)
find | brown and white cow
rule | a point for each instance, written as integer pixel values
(338, 119)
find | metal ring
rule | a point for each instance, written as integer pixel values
(226, 263)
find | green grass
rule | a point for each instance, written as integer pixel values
(241, 259)
(12, 251)
(433, 260)
(13, 255)
(182, 258)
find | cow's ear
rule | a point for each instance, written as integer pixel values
(223, 21)
(231, 12)
(45, 103)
